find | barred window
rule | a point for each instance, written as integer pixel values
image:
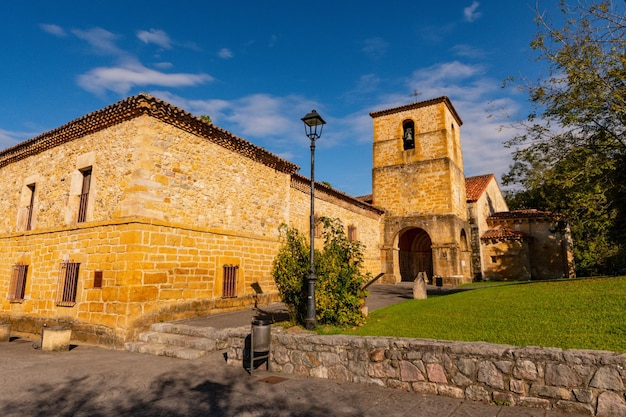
(68, 283)
(18, 282)
(352, 235)
(229, 287)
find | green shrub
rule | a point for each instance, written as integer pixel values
(338, 293)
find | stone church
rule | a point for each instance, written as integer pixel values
(141, 212)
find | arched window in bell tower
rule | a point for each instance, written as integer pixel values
(408, 134)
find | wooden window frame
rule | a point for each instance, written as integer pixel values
(352, 233)
(84, 195)
(17, 286)
(319, 227)
(31, 206)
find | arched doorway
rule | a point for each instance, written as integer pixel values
(416, 254)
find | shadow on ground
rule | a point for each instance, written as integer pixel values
(172, 394)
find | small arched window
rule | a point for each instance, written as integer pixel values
(408, 134)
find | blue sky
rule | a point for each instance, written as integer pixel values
(257, 67)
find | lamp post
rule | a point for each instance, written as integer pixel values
(313, 125)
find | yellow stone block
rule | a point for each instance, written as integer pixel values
(143, 293)
(155, 277)
(127, 277)
(93, 294)
(171, 294)
(96, 307)
(157, 239)
(108, 320)
(130, 237)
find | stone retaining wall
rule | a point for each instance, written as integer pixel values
(582, 381)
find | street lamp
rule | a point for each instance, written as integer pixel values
(312, 122)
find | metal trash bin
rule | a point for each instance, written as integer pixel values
(260, 338)
(439, 281)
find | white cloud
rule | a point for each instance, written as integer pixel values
(470, 14)
(101, 40)
(121, 79)
(225, 53)
(478, 100)
(467, 51)
(156, 36)
(375, 48)
(9, 138)
(446, 78)
(55, 30)
(266, 120)
(164, 65)
(274, 122)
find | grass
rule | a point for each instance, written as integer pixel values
(571, 314)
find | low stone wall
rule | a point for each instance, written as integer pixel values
(583, 381)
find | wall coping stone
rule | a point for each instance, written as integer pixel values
(585, 381)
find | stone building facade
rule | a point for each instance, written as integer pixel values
(141, 212)
(484, 199)
(418, 178)
(527, 244)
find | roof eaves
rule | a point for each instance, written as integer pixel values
(134, 106)
(476, 186)
(417, 105)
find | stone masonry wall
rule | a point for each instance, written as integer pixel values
(582, 381)
(428, 179)
(367, 223)
(146, 168)
(151, 271)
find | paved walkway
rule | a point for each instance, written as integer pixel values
(380, 296)
(94, 382)
(91, 381)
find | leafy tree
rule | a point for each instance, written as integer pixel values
(338, 292)
(290, 268)
(571, 153)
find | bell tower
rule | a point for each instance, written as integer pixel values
(418, 178)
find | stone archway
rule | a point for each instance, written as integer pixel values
(415, 254)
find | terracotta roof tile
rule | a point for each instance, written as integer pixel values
(136, 106)
(476, 186)
(503, 234)
(366, 198)
(303, 183)
(419, 104)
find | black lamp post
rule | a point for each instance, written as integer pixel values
(313, 125)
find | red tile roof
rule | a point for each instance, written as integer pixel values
(503, 234)
(136, 106)
(476, 186)
(366, 198)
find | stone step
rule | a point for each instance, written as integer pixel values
(160, 349)
(179, 340)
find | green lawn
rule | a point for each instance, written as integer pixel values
(580, 314)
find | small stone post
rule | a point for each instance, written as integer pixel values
(56, 339)
(419, 287)
(5, 332)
